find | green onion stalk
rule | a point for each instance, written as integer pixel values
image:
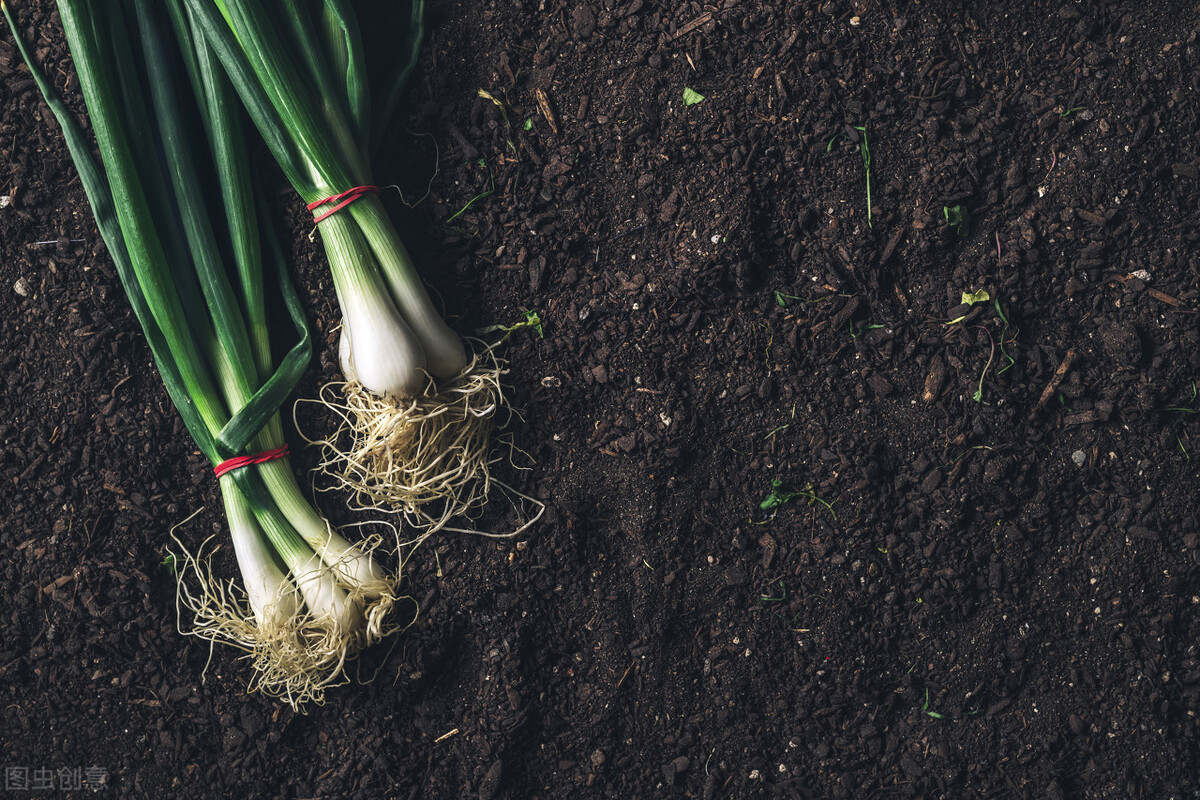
(416, 412)
(310, 599)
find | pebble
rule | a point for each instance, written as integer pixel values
(584, 21)
(1079, 457)
(491, 781)
(675, 768)
(1184, 170)
(232, 740)
(21, 287)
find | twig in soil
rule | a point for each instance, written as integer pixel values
(544, 106)
(1053, 164)
(968, 451)
(56, 241)
(1055, 381)
(626, 675)
(626, 233)
(890, 247)
(978, 396)
(486, 95)
(691, 26)
(1166, 298)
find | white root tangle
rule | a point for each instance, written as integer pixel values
(429, 457)
(295, 655)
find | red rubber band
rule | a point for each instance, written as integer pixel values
(342, 200)
(245, 461)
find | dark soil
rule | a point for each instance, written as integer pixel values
(989, 582)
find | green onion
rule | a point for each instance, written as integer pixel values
(417, 414)
(313, 598)
(395, 332)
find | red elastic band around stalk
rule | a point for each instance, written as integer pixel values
(245, 461)
(341, 200)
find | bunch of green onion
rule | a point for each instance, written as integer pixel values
(175, 204)
(416, 412)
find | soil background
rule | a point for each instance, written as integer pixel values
(986, 583)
